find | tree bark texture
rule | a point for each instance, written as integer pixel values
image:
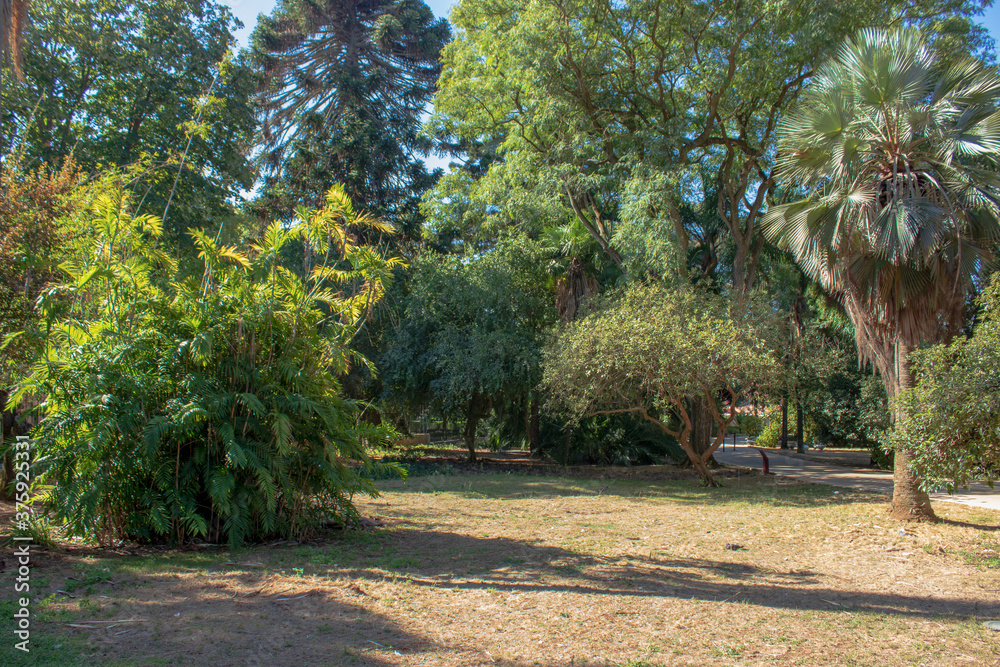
(784, 421)
(479, 406)
(909, 501)
(572, 289)
(701, 431)
(799, 435)
(533, 425)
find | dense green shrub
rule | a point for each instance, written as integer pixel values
(850, 409)
(205, 409)
(952, 428)
(607, 440)
(770, 436)
(658, 352)
(750, 425)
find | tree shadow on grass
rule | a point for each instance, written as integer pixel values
(985, 527)
(246, 619)
(457, 561)
(748, 490)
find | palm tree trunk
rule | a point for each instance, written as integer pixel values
(909, 501)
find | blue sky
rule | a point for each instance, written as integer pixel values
(247, 11)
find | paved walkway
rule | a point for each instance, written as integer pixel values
(978, 495)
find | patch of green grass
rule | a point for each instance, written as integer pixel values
(729, 652)
(87, 578)
(405, 469)
(985, 555)
(167, 562)
(48, 645)
(397, 562)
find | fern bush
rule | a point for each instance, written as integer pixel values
(206, 408)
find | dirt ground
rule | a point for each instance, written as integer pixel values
(495, 568)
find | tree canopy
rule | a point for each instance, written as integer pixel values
(617, 113)
(473, 332)
(113, 83)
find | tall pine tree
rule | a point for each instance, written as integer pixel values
(345, 83)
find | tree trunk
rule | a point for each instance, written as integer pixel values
(471, 422)
(706, 475)
(798, 426)
(784, 421)
(701, 430)
(573, 289)
(479, 407)
(533, 425)
(909, 501)
(569, 440)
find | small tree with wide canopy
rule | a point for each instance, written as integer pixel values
(472, 334)
(653, 351)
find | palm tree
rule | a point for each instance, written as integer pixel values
(897, 154)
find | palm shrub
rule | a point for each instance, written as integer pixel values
(207, 407)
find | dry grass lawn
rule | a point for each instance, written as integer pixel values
(514, 570)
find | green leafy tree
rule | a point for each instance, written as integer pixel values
(472, 332)
(345, 84)
(206, 407)
(114, 83)
(655, 352)
(619, 114)
(898, 152)
(953, 424)
(652, 126)
(32, 203)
